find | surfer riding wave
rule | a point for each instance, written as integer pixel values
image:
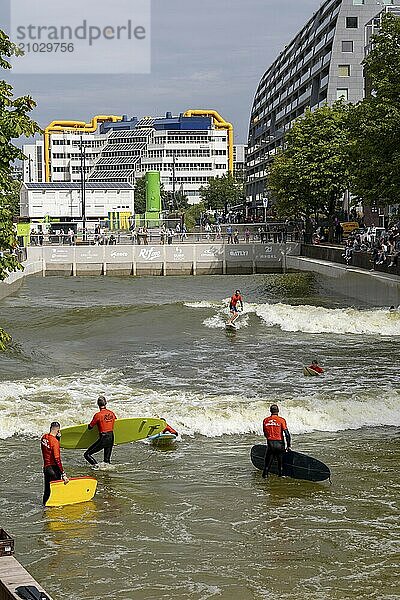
(235, 300)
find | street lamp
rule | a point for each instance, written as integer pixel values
(82, 150)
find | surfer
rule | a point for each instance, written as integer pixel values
(52, 465)
(233, 306)
(315, 367)
(104, 419)
(169, 429)
(275, 428)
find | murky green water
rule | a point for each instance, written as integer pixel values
(198, 521)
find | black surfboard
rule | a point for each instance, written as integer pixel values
(295, 465)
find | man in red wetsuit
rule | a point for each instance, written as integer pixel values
(315, 367)
(52, 465)
(274, 429)
(104, 419)
(169, 429)
(233, 306)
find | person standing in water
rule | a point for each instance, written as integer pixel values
(233, 306)
(275, 429)
(52, 465)
(104, 419)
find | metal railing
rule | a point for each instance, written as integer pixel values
(242, 233)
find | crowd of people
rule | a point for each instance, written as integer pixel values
(383, 248)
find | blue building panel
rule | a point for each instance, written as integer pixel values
(183, 124)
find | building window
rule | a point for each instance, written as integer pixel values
(348, 46)
(351, 22)
(342, 94)
(344, 70)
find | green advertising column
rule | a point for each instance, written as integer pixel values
(153, 198)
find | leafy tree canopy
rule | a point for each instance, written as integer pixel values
(374, 124)
(310, 174)
(14, 123)
(221, 191)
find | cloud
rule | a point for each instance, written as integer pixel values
(208, 54)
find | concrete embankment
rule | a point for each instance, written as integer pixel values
(14, 281)
(372, 287)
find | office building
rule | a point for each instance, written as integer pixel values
(320, 65)
(187, 150)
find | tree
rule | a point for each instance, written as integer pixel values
(14, 123)
(310, 174)
(140, 195)
(193, 214)
(374, 123)
(221, 191)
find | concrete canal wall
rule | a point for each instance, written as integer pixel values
(379, 289)
(174, 259)
(14, 280)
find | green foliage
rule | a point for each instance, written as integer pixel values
(221, 191)
(192, 215)
(382, 64)
(14, 122)
(140, 195)
(310, 174)
(181, 201)
(374, 123)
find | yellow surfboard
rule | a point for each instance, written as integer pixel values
(125, 431)
(78, 489)
(309, 372)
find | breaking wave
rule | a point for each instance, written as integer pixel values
(310, 319)
(28, 406)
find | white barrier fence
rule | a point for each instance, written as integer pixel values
(174, 259)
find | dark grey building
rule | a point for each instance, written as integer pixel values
(320, 65)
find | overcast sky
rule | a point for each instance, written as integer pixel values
(205, 54)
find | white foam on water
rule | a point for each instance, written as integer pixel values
(316, 319)
(27, 407)
(309, 319)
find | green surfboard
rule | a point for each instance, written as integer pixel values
(125, 431)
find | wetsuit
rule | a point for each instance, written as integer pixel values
(104, 419)
(234, 301)
(170, 429)
(274, 429)
(52, 465)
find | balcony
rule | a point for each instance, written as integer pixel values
(319, 46)
(326, 58)
(317, 66)
(324, 82)
(308, 56)
(305, 95)
(280, 114)
(304, 77)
